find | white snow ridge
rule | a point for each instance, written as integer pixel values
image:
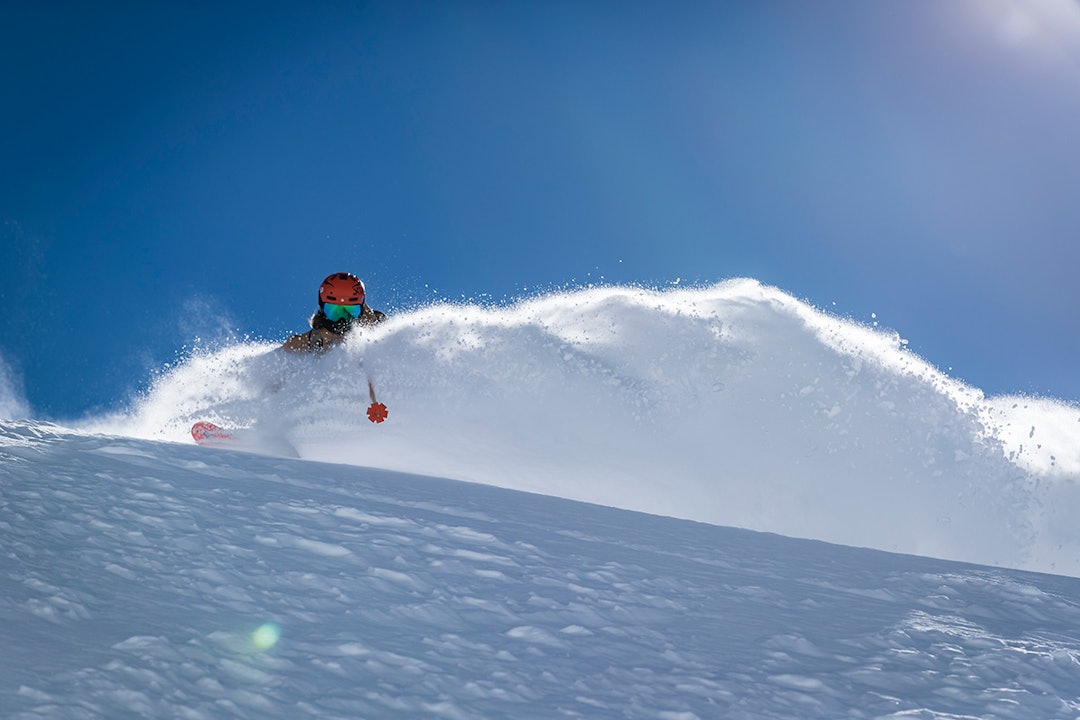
(150, 579)
(734, 404)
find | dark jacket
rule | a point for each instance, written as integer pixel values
(325, 334)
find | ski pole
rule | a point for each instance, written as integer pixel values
(376, 412)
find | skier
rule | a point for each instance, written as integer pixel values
(341, 310)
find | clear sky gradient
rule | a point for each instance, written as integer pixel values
(173, 171)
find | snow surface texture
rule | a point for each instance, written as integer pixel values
(141, 579)
(734, 404)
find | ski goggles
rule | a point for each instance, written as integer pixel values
(336, 313)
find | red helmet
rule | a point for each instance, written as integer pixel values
(341, 289)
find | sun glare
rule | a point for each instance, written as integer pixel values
(1044, 26)
(1039, 37)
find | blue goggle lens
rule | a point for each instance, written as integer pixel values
(334, 313)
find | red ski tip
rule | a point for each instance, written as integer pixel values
(204, 432)
(377, 412)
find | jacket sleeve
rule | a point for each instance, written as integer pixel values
(298, 343)
(371, 317)
(316, 340)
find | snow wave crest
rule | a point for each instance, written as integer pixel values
(734, 404)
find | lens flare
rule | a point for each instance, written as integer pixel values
(266, 636)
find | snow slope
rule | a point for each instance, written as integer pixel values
(146, 579)
(734, 404)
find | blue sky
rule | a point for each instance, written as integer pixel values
(180, 170)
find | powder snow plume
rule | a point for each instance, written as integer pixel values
(734, 404)
(12, 402)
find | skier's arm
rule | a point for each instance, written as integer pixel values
(371, 317)
(314, 341)
(297, 343)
